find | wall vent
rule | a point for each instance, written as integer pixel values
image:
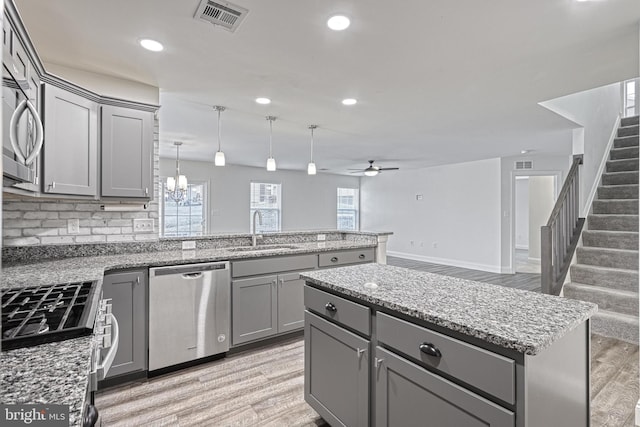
(223, 14)
(524, 164)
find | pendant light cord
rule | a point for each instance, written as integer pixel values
(218, 129)
(270, 137)
(312, 144)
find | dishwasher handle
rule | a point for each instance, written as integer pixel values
(188, 269)
(192, 276)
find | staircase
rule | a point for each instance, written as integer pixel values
(607, 269)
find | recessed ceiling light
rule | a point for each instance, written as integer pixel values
(338, 22)
(151, 45)
(263, 101)
(349, 101)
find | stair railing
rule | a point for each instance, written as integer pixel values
(560, 236)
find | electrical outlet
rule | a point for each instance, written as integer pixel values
(188, 245)
(412, 243)
(418, 196)
(143, 225)
(73, 226)
(322, 237)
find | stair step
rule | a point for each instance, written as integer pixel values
(612, 222)
(610, 239)
(615, 325)
(626, 141)
(615, 278)
(623, 153)
(615, 206)
(622, 165)
(621, 191)
(617, 178)
(628, 130)
(607, 257)
(629, 121)
(615, 300)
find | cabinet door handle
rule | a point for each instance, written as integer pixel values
(273, 283)
(361, 256)
(281, 281)
(330, 307)
(360, 352)
(138, 280)
(377, 362)
(53, 185)
(430, 350)
(334, 259)
(146, 191)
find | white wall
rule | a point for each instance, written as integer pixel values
(308, 202)
(522, 213)
(541, 201)
(542, 165)
(597, 111)
(459, 213)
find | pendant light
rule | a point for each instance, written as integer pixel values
(219, 158)
(271, 162)
(177, 186)
(311, 168)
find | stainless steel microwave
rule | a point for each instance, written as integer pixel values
(21, 128)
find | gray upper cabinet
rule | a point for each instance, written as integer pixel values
(127, 152)
(128, 291)
(336, 366)
(409, 395)
(254, 309)
(70, 143)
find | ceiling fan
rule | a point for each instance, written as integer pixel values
(373, 170)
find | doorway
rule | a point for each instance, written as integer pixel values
(535, 196)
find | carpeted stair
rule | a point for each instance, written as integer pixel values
(607, 269)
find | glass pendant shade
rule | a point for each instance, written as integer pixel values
(171, 184)
(271, 164)
(219, 159)
(311, 168)
(182, 183)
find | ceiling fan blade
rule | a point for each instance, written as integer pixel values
(359, 171)
(388, 169)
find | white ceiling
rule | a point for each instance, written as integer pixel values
(437, 81)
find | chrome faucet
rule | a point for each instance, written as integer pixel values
(254, 235)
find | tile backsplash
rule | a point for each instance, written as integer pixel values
(39, 221)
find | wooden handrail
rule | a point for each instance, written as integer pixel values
(560, 236)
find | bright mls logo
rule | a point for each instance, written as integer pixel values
(34, 415)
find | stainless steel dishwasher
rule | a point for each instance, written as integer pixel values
(189, 313)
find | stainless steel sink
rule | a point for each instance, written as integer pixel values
(261, 248)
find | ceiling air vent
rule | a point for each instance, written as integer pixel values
(524, 164)
(223, 14)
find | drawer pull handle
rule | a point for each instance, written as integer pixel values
(377, 363)
(360, 352)
(330, 307)
(361, 256)
(430, 350)
(334, 259)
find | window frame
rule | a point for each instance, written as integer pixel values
(356, 210)
(278, 209)
(162, 208)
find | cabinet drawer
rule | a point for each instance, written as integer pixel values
(253, 267)
(345, 257)
(345, 312)
(487, 371)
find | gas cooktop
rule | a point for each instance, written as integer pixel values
(41, 314)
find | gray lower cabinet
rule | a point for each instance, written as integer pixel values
(409, 395)
(266, 305)
(336, 373)
(254, 308)
(127, 152)
(128, 292)
(70, 143)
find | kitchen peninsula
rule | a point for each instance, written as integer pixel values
(399, 347)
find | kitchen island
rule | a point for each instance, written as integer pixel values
(58, 372)
(391, 346)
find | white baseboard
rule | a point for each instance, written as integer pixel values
(523, 247)
(447, 261)
(534, 259)
(601, 169)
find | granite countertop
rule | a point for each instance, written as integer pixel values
(524, 321)
(93, 267)
(57, 373)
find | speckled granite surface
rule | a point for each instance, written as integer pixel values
(92, 268)
(524, 321)
(54, 373)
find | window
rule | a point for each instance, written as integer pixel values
(265, 197)
(348, 205)
(630, 97)
(186, 217)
